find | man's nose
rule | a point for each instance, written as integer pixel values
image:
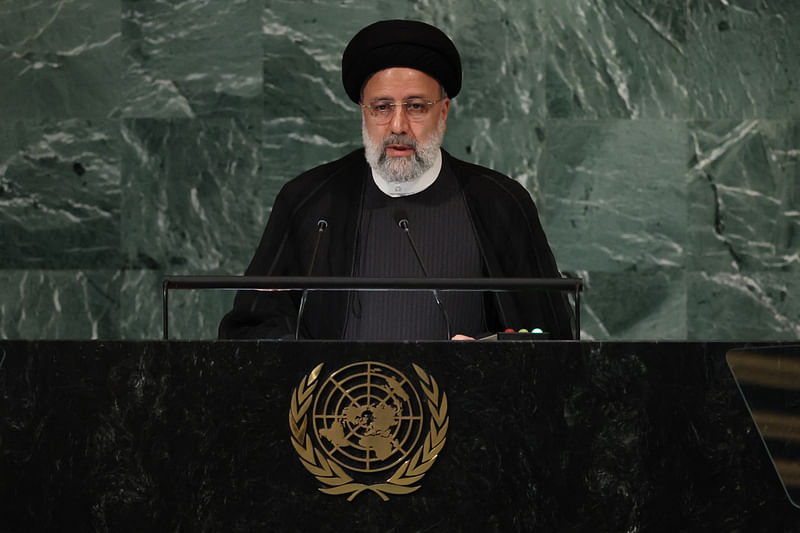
(399, 121)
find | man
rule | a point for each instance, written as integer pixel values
(355, 216)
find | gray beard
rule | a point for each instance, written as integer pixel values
(402, 169)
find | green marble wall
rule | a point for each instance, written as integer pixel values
(660, 140)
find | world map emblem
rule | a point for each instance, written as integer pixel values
(366, 427)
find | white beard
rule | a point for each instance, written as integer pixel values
(407, 168)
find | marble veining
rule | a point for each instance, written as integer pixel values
(59, 194)
(659, 140)
(59, 59)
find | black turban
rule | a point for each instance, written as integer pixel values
(400, 43)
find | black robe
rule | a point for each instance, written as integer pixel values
(504, 218)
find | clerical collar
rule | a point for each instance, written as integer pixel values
(406, 188)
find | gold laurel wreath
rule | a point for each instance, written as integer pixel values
(331, 474)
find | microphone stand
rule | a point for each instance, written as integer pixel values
(322, 225)
(403, 223)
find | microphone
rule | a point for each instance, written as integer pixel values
(402, 222)
(322, 225)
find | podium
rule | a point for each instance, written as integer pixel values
(541, 436)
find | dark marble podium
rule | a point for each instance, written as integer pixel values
(546, 436)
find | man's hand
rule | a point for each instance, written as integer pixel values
(462, 338)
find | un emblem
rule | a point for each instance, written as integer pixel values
(366, 428)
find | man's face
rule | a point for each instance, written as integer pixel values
(404, 147)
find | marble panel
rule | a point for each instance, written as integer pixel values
(502, 48)
(194, 197)
(59, 304)
(293, 145)
(744, 210)
(743, 60)
(140, 305)
(614, 193)
(616, 59)
(635, 305)
(192, 314)
(192, 58)
(59, 194)
(59, 59)
(303, 44)
(738, 306)
(513, 147)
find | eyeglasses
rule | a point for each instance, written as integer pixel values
(382, 111)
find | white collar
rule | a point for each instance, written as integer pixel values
(406, 188)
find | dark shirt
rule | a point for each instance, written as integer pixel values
(440, 228)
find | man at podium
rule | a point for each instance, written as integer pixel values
(400, 207)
